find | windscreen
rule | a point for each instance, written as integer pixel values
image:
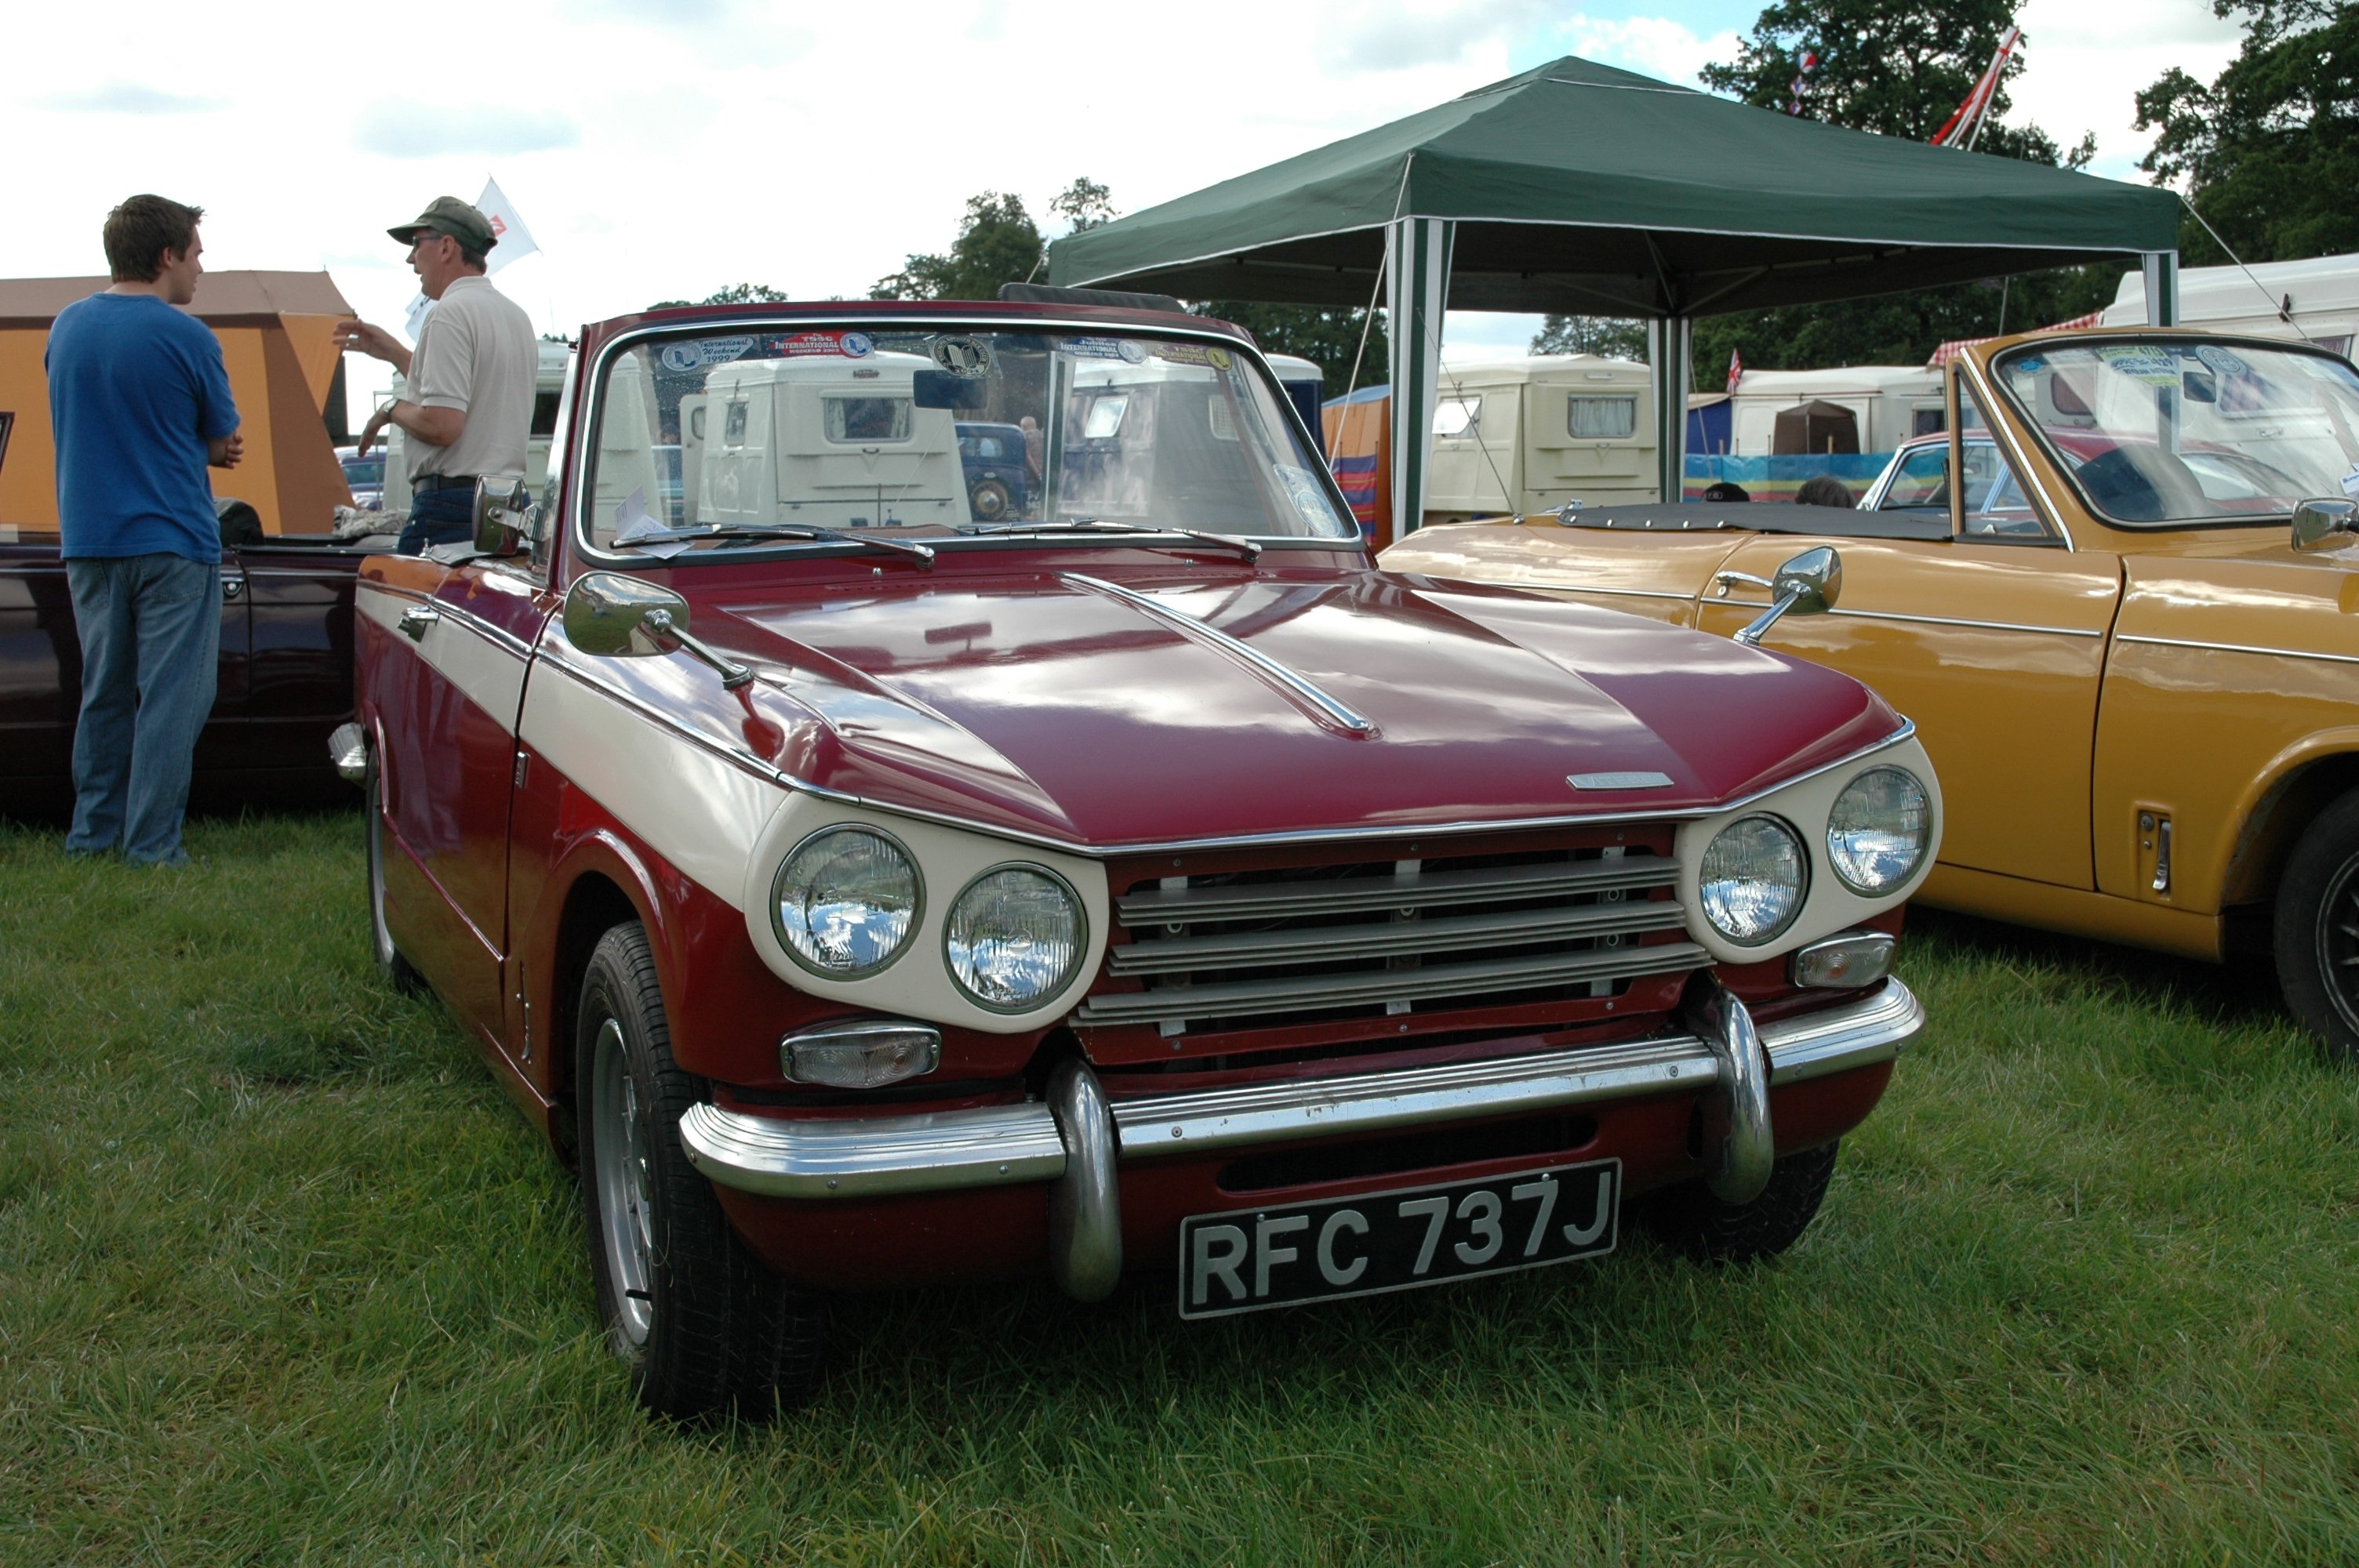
(2168, 431)
(941, 432)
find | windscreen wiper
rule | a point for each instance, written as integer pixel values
(923, 554)
(1246, 547)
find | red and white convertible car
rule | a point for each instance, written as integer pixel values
(1137, 880)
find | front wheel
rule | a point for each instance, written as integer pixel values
(700, 1323)
(2316, 930)
(1691, 1220)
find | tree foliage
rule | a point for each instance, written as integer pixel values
(733, 293)
(997, 243)
(1328, 338)
(1609, 337)
(1899, 68)
(1085, 204)
(2269, 151)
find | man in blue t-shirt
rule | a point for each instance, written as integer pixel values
(140, 406)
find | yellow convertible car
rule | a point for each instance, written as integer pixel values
(2129, 635)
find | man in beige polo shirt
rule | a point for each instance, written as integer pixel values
(468, 405)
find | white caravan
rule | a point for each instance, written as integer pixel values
(1527, 435)
(1892, 403)
(2318, 299)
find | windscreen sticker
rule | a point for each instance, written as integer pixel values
(2142, 362)
(1310, 499)
(2221, 360)
(1184, 353)
(1123, 349)
(704, 351)
(802, 345)
(1220, 358)
(963, 356)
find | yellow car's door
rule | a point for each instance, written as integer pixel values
(1992, 640)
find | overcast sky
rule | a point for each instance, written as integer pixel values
(661, 148)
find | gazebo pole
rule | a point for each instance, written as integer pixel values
(2162, 288)
(1417, 286)
(1668, 341)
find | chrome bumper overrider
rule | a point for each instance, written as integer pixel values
(999, 1145)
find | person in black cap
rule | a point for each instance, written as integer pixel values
(467, 406)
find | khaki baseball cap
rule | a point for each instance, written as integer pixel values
(448, 215)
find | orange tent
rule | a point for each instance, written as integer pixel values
(277, 338)
(1360, 453)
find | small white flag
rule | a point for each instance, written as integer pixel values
(515, 239)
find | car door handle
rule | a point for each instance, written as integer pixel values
(416, 620)
(232, 584)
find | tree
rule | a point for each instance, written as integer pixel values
(1327, 337)
(1085, 204)
(1609, 337)
(733, 294)
(2269, 151)
(997, 243)
(1898, 68)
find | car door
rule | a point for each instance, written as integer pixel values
(443, 663)
(40, 676)
(1992, 640)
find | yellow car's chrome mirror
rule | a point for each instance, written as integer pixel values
(2326, 524)
(1807, 584)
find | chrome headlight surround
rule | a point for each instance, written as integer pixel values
(796, 936)
(960, 946)
(1879, 828)
(1744, 856)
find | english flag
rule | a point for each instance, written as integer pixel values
(1962, 128)
(1735, 372)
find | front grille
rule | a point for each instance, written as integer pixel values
(1377, 939)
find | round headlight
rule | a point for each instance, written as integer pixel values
(1879, 829)
(1752, 879)
(1014, 937)
(845, 901)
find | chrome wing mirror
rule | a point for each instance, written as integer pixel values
(1809, 584)
(2327, 524)
(505, 521)
(616, 617)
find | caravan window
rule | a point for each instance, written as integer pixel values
(1457, 416)
(1601, 418)
(867, 418)
(1929, 421)
(1103, 421)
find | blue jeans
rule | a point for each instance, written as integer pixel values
(438, 518)
(150, 629)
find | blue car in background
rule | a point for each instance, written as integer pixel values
(998, 482)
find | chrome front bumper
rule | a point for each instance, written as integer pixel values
(1007, 1144)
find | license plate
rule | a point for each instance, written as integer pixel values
(1254, 1257)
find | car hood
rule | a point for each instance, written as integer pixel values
(1053, 704)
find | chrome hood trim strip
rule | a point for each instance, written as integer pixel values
(1292, 684)
(770, 773)
(1004, 1145)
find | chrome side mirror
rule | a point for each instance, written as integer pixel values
(616, 617)
(1807, 584)
(2328, 523)
(505, 521)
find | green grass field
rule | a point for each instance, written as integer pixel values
(283, 1279)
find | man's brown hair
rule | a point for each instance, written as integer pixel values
(139, 231)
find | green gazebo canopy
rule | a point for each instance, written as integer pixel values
(1580, 189)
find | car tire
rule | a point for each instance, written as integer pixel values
(703, 1326)
(1688, 1219)
(395, 969)
(2316, 930)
